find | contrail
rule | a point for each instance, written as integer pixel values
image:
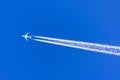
(107, 49)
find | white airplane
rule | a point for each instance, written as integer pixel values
(26, 36)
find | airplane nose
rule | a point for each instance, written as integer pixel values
(22, 36)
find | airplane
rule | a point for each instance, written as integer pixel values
(26, 36)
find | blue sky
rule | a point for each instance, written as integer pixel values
(82, 20)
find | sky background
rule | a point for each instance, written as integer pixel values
(95, 21)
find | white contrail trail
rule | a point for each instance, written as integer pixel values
(115, 50)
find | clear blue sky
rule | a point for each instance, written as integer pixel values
(83, 20)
